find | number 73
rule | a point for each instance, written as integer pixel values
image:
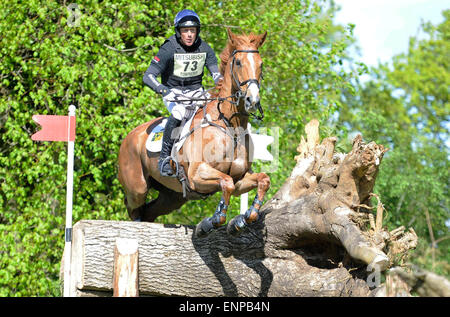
(193, 68)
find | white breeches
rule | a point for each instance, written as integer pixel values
(178, 109)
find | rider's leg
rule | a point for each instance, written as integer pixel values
(177, 112)
(167, 143)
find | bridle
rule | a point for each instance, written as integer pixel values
(241, 93)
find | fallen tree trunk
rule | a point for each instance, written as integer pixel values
(312, 239)
(171, 263)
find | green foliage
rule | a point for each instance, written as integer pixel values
(94, 57)
(406, 108)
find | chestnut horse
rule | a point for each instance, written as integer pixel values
(214, 157)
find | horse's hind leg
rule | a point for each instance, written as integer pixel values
(131, 176)
(136, 189)
(167, 201)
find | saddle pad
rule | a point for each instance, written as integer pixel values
(154, 140)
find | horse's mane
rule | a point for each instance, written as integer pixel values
(239, 40)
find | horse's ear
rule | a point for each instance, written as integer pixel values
(262, 38)
(230, 36)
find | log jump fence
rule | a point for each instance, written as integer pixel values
(317, 237)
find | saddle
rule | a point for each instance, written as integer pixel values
(154, 145)
(154, 139)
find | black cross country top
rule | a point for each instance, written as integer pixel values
(181, 66)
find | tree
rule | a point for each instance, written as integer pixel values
(406, 107)
(93, 55)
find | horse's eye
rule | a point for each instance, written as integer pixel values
(238, 63)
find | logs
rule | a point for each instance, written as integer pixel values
(172, 263)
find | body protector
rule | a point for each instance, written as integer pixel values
(180, 66)
(181, 70)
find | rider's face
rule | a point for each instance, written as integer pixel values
(188, 35)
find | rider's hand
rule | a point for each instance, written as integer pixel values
(163, 90)
(218, 80)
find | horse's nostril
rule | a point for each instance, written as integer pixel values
(251, 100)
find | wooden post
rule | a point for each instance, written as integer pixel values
(125, 279)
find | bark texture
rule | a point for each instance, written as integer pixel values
(317, 236)
(172, 263)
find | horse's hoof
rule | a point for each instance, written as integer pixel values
(258, 221)
(236, 226)
(204, 228)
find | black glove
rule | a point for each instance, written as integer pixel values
(217, 78)
(163, 90)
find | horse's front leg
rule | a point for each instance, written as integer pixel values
(249, 182)
(206, 178)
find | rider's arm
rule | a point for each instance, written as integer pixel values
(211, 64)
(157, 66)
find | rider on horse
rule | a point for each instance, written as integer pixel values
(180, 62)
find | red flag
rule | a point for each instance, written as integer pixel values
(54, 128)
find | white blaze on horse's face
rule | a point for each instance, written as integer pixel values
(252, 96)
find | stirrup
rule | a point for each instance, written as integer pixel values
(163, 163)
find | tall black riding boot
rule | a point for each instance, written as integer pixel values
(167, 143)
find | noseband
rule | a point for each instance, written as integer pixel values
(240, 93)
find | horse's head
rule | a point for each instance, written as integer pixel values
(246, 68)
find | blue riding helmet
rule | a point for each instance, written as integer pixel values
(186, 18)
(182, 18)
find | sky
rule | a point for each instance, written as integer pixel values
(383, 27)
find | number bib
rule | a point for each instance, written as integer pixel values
(189, 64)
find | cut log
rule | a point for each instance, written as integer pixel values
(173, 263)
(125, 280)
(426, 284)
